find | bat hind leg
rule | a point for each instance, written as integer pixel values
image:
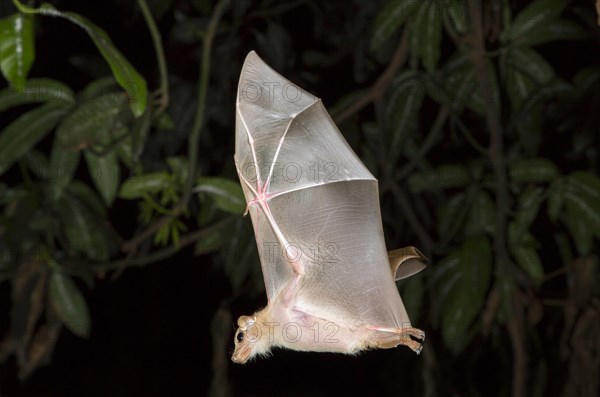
(388, 338)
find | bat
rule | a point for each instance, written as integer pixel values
(314, 207)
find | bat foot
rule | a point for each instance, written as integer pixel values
(400, 336)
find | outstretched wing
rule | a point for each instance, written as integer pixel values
(314, 205)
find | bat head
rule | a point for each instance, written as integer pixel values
(248, 340)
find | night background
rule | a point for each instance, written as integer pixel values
(125, 260)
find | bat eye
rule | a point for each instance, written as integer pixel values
(240, 336)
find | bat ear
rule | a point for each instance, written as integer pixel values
(406, 262)
(245, 321)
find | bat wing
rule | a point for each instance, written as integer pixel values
(314, 205)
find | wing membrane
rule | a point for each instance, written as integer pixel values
(321, 200)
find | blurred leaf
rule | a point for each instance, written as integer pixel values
(139, 133)
(179, 167)
(240, 258)
(88, 196)
(138, 186)
(34, 91)
(431, 36)
(443, 282)
(529, 260)
(403, 109)
(226, 193)
(69, 304)
(536, 15)
(575, 218)
(27, 292)
(454, 16)
(25, 132)
(519, 87)
(443, 177)
(528, 206)
(536, 170)
(105, 173)
(63, 164)
(413, 292)
(209, 244)
(415, 37)
(85, 236)
(532, 63)
(391, 17)
(468, 295)
(583, 200)
(98, 88)
(37, 163)
(559, 29)
(556, 197)
(482, 214)
(91, 122)
(125, 74)
(452, 215)
(17, 49)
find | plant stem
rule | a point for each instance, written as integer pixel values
(496, 153)
(378, 88)
(166, 252)
(131, 245)
(160, 56)
(202, 88)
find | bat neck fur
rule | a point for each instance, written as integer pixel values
(265, 337)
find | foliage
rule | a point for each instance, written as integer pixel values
(482, 140)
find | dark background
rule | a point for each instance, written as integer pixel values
(152, 326)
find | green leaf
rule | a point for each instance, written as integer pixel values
(575, 218)
(84, 234)
(532, 64)
(391, 17)
(63, 163)
(536, 15)
(528, 206)
(583, 200)
(559, 29)
(17, 48)
(454, 16)
(536, 170)
(34, 91)
(482, 214)
(413, 291)
(529, 260)
(444, 280)
(431, 36)
(468, 294)
(37, 163)
(452, 215)
(179, 167)
(138, 186)
(92, 122)
(105, 173)
(556, 197)
(443, 177)
(124, 73)
(519, 86)
(26, 131)
(87, 195)
(139, 134)
(587, 184)
(403, 109)
(226, 193)
(69, 304)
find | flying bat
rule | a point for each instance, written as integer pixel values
(315, 211)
